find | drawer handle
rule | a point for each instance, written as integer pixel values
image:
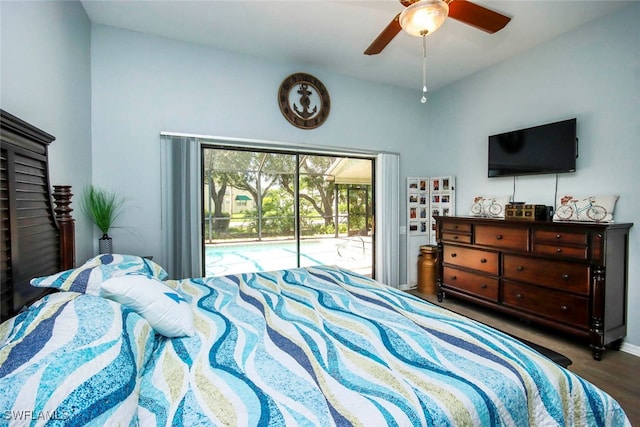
(499, 237)
(519, 296)
(453, 255)
(520, 268)
(558, 250)
(565, 277)
(455, 227)
(454, 277)
(483, 286)
(455, 237)
(483, 260)
(558, 236)
(564, 308)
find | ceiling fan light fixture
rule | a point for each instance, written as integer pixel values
(424, 17)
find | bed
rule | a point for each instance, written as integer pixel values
(114, 342)
(309, 346)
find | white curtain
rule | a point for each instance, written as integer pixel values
(181, 210)
(387, 219)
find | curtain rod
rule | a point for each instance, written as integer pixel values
(262, 143)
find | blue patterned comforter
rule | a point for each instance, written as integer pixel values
(73, 359)
(323, 346)
(315, 346)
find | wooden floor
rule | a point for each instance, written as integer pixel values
(618, 373)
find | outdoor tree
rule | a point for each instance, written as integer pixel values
(252, 172)
(315, 189)
(217, 182)
(277, 214)
(270, 180)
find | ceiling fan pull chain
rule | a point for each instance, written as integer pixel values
(424, 69)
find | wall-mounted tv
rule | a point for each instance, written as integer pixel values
(549, 148)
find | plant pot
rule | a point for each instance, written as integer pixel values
(105, 244)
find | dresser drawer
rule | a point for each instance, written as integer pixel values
(455, 227)
(501, 237)
(558, 306)
(482, 286)
(561, 237)
(476, 259)
(561, 251)
(564, 276)
(454, 237)
(561, 244)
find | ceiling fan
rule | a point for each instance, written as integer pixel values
(435, 12)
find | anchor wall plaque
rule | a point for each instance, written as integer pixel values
(304, 101)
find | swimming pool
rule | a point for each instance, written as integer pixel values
(353, 253)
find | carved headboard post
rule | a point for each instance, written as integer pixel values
(66, 224)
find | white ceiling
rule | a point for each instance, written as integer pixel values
(332, 35)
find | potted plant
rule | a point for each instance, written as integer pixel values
(103, 208)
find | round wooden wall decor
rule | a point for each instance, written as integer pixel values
(304, 101)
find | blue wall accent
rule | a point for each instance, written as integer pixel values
(106, 94)
(45, 79)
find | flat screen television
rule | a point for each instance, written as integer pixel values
(548, 148)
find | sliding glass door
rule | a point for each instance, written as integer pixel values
(267, 210)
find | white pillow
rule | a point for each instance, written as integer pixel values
(585, 208)
(166, 310)
(492, 207)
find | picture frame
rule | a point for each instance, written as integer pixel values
(426, 198)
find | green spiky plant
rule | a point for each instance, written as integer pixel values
(102, 207)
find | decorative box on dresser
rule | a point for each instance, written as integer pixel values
(568, 276)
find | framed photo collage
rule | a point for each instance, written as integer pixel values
(426, 197)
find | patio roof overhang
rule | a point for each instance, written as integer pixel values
(350, 171)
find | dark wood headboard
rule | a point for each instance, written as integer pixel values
(37, 239)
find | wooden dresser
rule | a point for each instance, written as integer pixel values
(568, 276)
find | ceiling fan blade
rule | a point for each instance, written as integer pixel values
(385, 37)
(477, 16)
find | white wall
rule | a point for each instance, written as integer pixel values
(592, 73)
(143, 85)
(45, 80)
